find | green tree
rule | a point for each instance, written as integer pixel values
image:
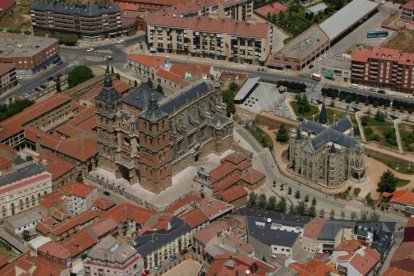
(388, 182)
(282, 134)
(112, 70)
(281, 205)
(374, 216)
(9, 110)
(135, 83)
(233, 87)
(353, 215)
(292, 208)
(230, 108)
(160, 89)
(379, 116)
(322, 213)
(297, 194)
(363, 216)
(307, 198)
(311, 211)
(262, 201)
(26, 235)
(301, 208)
(314, 201)
(79, 74)
(58, 88)
(29, 158)
(271, 203)
(332, 214)
(289, 190)
(252, 201)
(79, 178)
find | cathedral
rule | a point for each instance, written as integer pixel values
(146, 137)
(326, 154)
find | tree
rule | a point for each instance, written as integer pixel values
(289, 190)
(363, 216)
(233, 87)
(297, 194)
(135, 83)
(314, 201)
(79, 178)
(311, 211)
(281, 205)
(388, 182)
(307, 198)
(252, 201)
(301, 208)
(261, 203)
(282, 134)
(160, 89)
(58, 87)
(353, 215)
(379, 116)
(112, 70)
(321, 213)
(230, 108)
(374, 216)
(332, 214)
(292, 208)
(79, 74)
(271, 203)
(26, 235)
(29, 158)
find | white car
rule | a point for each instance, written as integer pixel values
(90, 50)
(120, 41)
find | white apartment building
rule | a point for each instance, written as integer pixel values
(80, 197)
(222, 39)
(22, 187)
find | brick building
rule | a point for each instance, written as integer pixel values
(89, 21)
(30, 54)
(408, 12)
(383, 67)
(8, 77)
(7, 7)
(141, 140)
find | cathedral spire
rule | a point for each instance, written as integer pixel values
(323, 117)
(108, 78)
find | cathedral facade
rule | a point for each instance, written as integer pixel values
(146, 137)
(326, 154)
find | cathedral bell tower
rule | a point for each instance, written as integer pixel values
(155, 153)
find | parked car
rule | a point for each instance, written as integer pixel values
(310, 66)
(106, 193)
(109, 57)
(173, 258)
(120, 41)
(50, 78)
(90, 50)
(60, 62)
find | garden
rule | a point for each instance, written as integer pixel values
(261, 136)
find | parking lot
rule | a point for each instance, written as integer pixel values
(266, 97)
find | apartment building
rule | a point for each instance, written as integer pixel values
(30, 54)
(89, 21)
(203, 36)
(384, 67)
(21, 188)
(80, 197)
(8, 78)
(408, 11)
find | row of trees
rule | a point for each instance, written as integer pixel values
(303, 104)
(282, 134)
(292, 86)
(7, 111)
(367, 99)
(79, 74)
(228, 98)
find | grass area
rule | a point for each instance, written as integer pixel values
(6, 251)
(357, 191)
(262, 137)
(402, 182)
(397, 166)
(343, 195)
(20, 19)
(307, 115)
(404, 40)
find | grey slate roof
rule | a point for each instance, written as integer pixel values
(267, 235)
(185, 97)
(331, 228)
(382, 232)
(342, 125)
(84, 10)
(108, 93)
(246, 89)
(24, 218)
(12, 241)
(140, 97)
(22, 173)
(148, 243)
(283, 218)
(153, 113)
(311, 127)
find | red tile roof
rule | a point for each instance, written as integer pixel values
(233, 194)
(409, 5)
(222, 171)
(183, 202)
(104, 227)
(127, 211)
(403, 257)
(59, 215)
(235, 158)
(128, 6)
(158, 2)
(78, 189)
(55, 165)
(253, 176)
(15, 124)
(240, 263)
(5, 67)
(103, 204)
(167, 75)
(149, 61)
(182, 69)
(52, 200)
(213, 207)
(365, 262)
(26, 182)
(5, 163)
(312, 268)
(194, 217)
(7, 4)
(226, 184)
(348, 246)
(395, 271)
(386, 54)
(314, 227)
(404, 197)
(3, 261)
(33, 266)
(246, 164)
(207, 24)
(55, 250)
(273, 8)
(206, 234)
(79, 243)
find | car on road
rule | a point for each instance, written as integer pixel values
(145, 273)
(157, 267)
(106, 193)
(173, 258)
(310, 66)
(19, 77)
(43, 86)
(90, 50)
(109, 57)
(50, 78)
(60, 62)
(120, 41)
(37, 89)
(319, 59)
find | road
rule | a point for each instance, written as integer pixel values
(272, 173)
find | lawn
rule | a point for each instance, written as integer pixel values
(262, 137)
(6, 251)
(308, 115)
(402, 182)
(404, 40)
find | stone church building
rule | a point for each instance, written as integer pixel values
(326, 154)
(146, 137)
